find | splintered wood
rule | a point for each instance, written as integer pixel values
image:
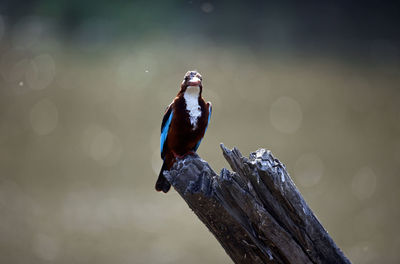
(255, 212)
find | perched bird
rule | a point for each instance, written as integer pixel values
(183, 126)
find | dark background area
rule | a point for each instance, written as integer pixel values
(84, 84)
(339, 27)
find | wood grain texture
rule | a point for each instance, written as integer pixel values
(255, 212)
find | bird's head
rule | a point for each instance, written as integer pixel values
(192, 79)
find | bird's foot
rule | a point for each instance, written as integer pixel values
(190, 153)
(182, 156)
(177, 155)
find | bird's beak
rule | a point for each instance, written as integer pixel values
(195, 81)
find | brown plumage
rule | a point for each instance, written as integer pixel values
(184, 124)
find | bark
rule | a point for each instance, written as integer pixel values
(256, 212)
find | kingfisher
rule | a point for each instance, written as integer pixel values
(183, 126)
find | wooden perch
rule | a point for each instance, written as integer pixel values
(256, 212)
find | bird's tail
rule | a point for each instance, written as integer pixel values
(162, 183)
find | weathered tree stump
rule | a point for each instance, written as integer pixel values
(256, 213)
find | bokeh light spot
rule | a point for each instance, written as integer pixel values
(40, 72)
(102, 145)
(286, 115)
(309, 169)
(364, 183)
(207, 7)
(44, 117)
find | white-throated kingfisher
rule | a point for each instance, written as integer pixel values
(183, 126)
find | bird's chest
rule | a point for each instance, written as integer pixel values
(192, 109)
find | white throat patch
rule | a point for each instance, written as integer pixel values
(191, 97)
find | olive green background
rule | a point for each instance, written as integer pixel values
(83, 87)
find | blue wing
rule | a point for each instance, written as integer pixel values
(166, 122)
(209, 117)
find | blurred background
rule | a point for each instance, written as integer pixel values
(84, 85)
